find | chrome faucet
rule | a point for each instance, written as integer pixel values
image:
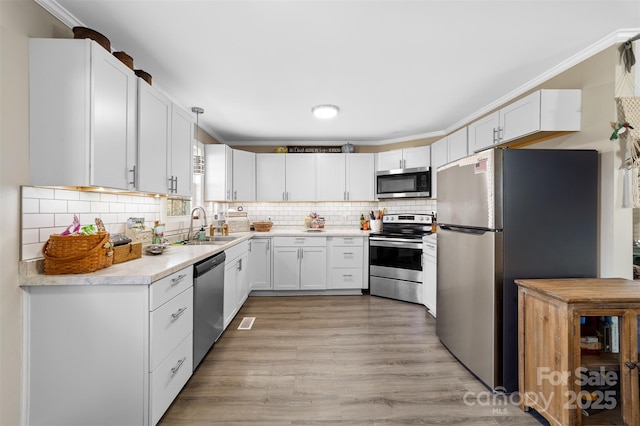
(204, 217)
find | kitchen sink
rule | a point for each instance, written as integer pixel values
(221, 240)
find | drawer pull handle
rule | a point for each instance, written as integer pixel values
(177, 279)
(347, 275)
(178, 313)
(175, 369)
(348, 253)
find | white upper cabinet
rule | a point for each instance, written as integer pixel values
(180, 162)
(218, 172)
(230, 174)
(360, 177)
(82, 106)
(483, 133)
(457, 145)
(330, 177)
(154, 139)
(407, 158)
(542, 111)
(244, 175)
(270, 177)
(300, 177)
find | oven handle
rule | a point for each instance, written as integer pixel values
(394, 242)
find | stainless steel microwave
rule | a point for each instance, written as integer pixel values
(406, 183)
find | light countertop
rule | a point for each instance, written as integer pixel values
(149, 268)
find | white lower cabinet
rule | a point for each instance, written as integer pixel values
(236, 280)
(346, 263)
(260, 264)
(299, 263)
(107, 354)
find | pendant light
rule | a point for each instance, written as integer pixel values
(198, 160)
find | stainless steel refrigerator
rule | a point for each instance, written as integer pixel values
(504, 215)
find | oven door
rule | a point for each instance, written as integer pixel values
(395, 258)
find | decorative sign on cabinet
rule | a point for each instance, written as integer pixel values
(82, 115)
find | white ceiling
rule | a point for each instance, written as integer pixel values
(397, 69)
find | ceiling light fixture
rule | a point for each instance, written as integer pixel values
(325, 111)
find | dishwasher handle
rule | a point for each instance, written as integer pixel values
(208, 264)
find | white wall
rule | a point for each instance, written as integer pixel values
(20, 19)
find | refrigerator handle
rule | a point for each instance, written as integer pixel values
(475, 231)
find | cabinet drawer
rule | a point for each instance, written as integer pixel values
(347, 241)
(169, 287)
(169, 325)
(346, 257)
(300, 241)
(166, 381)
(235, 251)
(346, 278)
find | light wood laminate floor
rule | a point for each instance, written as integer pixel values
(335, 360)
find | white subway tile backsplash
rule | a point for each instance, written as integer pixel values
(64, 219)
(79, 206)
(33, 192)
(30, 236)
(64, 194)
(99, 206)
(108, 198)
(127, 199)
(110, 218)
(90, 196)
(117, 207)
(46, 232)
(53, 206)
(39, 220)
(31, 251)
(30, 205)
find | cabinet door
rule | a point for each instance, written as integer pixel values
(286, 268)
(483, 133)
(114, 121)
(439, 157)
(82, 100)
(389, 160)
(244, 175)
(300, 177)
(457, 145)
(230, 285)
(181, 152)
(313, 268)
(330, 177)
(520, 118)
(154, 121)
(360, 177)
(242, 282)
(419, 156)
(270, 177)
(218, 163)
(259, 264)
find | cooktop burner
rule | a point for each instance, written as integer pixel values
(405, 225)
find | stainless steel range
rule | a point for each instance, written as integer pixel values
(395, 256)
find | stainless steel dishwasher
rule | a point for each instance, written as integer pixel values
(208, 298)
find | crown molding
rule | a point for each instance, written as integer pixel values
(54, 8)
(613, 38)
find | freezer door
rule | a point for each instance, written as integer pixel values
(468, 300)
(470, 191)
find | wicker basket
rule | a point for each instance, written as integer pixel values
(143, 75)
(77, 254)
(83, 32)
(124, 58)
(262, 226)
(126, 252)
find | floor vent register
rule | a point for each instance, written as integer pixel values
(246, 323)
